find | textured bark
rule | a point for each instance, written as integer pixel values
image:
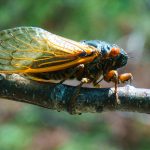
(57, 96)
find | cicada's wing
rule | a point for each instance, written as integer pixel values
(30, 49)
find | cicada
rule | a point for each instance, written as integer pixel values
(43, 56)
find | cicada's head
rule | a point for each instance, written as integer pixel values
(112, 57)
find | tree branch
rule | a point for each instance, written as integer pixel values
(57, 96)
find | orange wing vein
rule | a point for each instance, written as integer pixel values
(31, 49)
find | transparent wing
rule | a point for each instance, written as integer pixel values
(30, 49)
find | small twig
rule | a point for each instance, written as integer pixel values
(17, 88)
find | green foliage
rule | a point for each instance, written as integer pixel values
(14, 137)
(78, 19)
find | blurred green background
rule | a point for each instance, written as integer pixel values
(126, 23)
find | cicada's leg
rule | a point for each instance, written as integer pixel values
(125, 77)
(77, 70)
(97, 83)
(72, 102)
(113, 76)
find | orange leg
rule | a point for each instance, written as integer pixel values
(112, 76)
(125, 77)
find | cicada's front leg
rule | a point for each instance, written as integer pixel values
(114, 77)
(125, 77)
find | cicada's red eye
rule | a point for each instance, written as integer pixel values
(115, 51)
